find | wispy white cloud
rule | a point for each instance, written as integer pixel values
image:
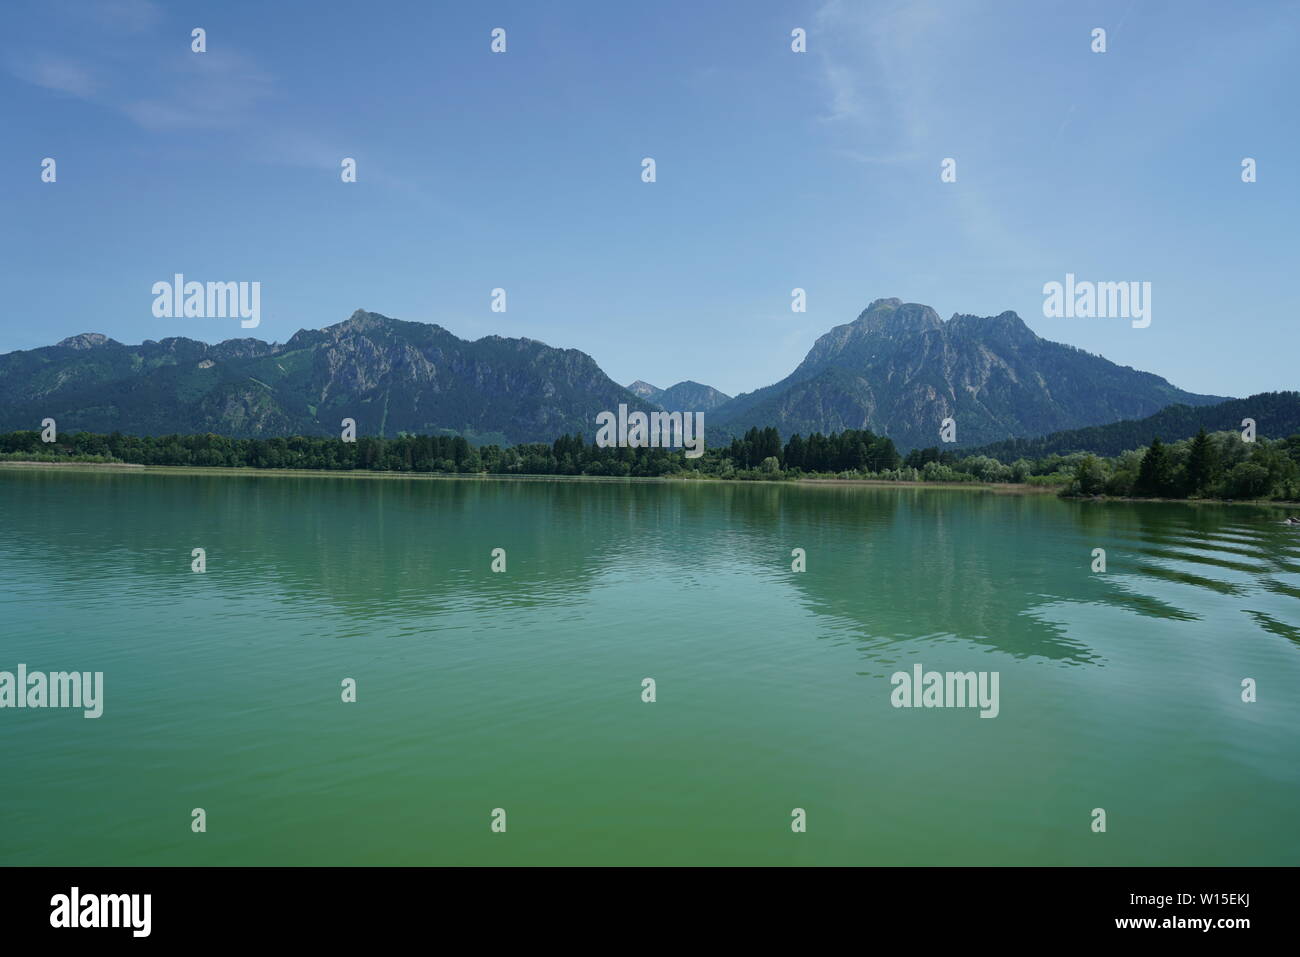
(126, 56)
(193, 91)
(57, 73)
(842, 84)
(216, 90)
(203, 91)
(877, 66)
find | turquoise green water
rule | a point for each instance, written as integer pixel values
(522, 690)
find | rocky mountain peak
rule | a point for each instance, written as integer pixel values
(1006, 326)
(359, 321)
(88, 340)
(644, 389)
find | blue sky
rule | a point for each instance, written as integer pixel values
(775, 170)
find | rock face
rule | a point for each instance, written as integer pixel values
(388, 375)
(899, 369)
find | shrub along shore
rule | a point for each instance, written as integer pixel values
(1218, 465)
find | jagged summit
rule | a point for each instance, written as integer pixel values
(898, 369)
(361, 320)
(1006, 326)
(88, 340)
(894, 308)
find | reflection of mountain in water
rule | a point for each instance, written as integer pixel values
(367, 546)
(908, 563)
(994, 569)
(1007, 572)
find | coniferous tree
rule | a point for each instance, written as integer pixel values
(794, 452)
(1200, 464)
(1153, 478)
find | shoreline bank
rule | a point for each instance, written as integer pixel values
(994, 487)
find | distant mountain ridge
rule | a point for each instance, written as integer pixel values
(897, 370)
(685, 396)
(645, 390)
(1276, 415)
(388, 375)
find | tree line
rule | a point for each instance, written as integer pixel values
(1210, 465)
(1281, 410)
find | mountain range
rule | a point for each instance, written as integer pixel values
(898, 369)
(685, 396)
(388, 375)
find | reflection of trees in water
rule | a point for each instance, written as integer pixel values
(365, 545)
(1247, 544)
(909, 563)
(900, 563)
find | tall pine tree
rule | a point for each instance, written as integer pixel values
(1200, 464)
(1153, 478)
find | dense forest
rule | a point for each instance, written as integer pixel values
(1211, 465)
(1277, 413)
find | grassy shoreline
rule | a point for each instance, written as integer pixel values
(36, 464)
(622, 479)
(998, 488)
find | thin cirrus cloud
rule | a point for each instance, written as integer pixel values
(885, 96)
(215, 90)
(66, 54)
(212, 91)
(60, 74)
(875, 69)
(71, 75)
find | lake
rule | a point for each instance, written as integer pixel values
(522, 690)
